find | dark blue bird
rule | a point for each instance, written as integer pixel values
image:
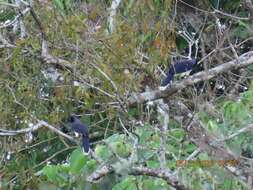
(82, 129)
(178, 67)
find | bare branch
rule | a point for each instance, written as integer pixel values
(35, 127)
(170, 178)
(242, 61)
(240, 131)
(165, 174)
(163, 109)
(21, 14)
(44, 46)
(5, 132)
(113, 8)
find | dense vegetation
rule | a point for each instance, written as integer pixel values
(104, 61)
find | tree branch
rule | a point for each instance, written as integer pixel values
(242, 61)
(170, 178)
(210, 144)
(35, 127)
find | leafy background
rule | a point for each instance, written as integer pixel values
(145, 38)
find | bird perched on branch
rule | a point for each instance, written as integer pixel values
(178, 67)
(81, 129)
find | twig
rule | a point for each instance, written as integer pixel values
(114, 6)
(217, 11)
(44, 46)
(243, 130)
(105, 75)
(163, 109)
(8, 4)
(249, 6)
(5, 44)
(21, 14)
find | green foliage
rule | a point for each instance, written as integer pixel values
(7, 15)
(57, 174)
(181, 43)
(228, 6)
(242, 30)
(77, 161)
(143, 39)
(128, 184)
(63, 6)
(236, 112)
(102, 152)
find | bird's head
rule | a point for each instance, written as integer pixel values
(72, 119)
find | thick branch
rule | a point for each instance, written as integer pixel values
(242, 61)
(170, 178)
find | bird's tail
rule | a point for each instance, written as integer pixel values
(86, 143)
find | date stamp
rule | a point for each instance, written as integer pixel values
(205, 163)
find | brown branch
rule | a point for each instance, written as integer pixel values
(242, 61)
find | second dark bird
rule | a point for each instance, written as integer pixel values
(81, 129)
(178, 67)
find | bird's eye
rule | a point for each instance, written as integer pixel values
(71, 119)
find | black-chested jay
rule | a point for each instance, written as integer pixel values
(82, 129)
(178, 67)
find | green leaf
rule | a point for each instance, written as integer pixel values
(120, 148)
(56, 174)
(145, 133)
(102, 152)
(126, 184)
(51, 172)
(179, 134)
(247, 97)
(114, 138)
(190, 148)
(212, 126)
(91, 164)
(181, 43)
(77, 161)
(155, 184)
(235, 111)
(153, 164)
(133, 112)
(59, 4)
(47, 186)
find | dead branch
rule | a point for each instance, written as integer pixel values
(242, 61)
(41, 123)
